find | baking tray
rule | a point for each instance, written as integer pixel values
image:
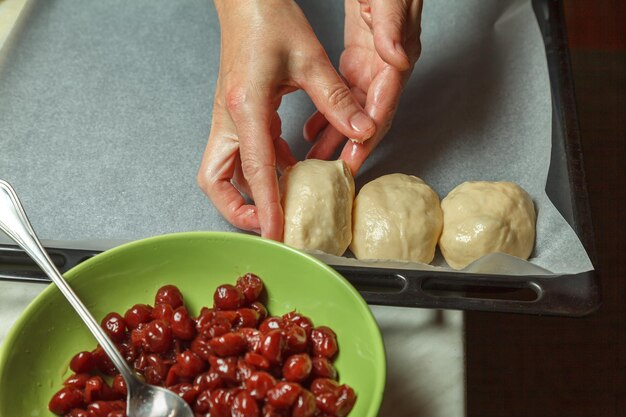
(564, 295)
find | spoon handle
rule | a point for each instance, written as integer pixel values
(15, 224)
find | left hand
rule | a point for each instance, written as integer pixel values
(382, 44)
(259, 64)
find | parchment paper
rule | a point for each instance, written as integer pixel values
(105, 108)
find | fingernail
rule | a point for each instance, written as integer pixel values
(360, 122)
(353, 140)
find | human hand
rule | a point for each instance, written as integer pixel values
(382, 44)
(268, 49)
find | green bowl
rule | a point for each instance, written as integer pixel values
(35, 356)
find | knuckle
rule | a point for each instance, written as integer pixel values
(339, 95)
(252, 168)
(205, 181)
(240, 99)
(235, 99)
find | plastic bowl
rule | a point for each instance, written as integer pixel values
(35, 356)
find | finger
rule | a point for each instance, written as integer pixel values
(383, 97)
(284, 156)
(252, 114)
(284, 159)
(313, 126)
(239, 181)
(330, 139)
(354, 154)
(360, 95)
(333, 99)
(381, 104)
(389, 18)
(327, 144)
(356, 66)
(276, 126)
(234, 208)
(366, 12)
(214, 179)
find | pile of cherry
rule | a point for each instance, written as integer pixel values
(233, 360)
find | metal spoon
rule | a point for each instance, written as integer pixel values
(144, 400)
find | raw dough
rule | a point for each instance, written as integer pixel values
(317, 198)
(396, 216)
(481, 217)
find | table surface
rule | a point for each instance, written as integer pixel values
(434, 387)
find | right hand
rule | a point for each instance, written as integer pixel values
(382, 45)
(268, 49)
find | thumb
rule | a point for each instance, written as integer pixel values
(335, 101)
(389, 18)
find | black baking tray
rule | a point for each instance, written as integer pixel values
(563, 295)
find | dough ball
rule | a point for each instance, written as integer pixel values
(396, 216)
(317, 199)
(481, 217)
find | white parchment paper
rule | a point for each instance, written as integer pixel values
(105, 109)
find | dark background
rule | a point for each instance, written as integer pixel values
(543, 366)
